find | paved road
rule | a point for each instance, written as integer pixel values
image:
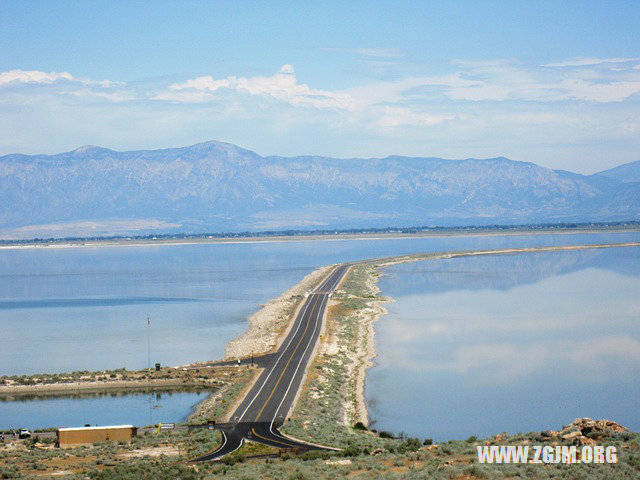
(267, 404)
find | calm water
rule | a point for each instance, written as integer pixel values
(112, 409)
(86, 308)
(515, 343)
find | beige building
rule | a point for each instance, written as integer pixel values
(88, 435)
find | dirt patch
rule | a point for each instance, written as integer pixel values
(168, 450)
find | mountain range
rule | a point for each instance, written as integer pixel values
(219, 187)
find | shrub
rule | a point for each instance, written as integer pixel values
(298, 476)
(315, 454)
(410, 444)
(475, 471)
(428, 441)
(9, 472)
(384, 434)
(351, 451)
(359, 426)
(146, 471)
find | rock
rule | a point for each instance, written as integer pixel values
(572, 435)
(587, 425)
(344, 461)
(582, 440)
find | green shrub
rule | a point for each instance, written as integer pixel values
(352, 451)
(146, 471)
(298, 476)
(9, 472)
(475, 471)
(410, 445)
(315, 454)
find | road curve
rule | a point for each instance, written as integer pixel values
(265, 407)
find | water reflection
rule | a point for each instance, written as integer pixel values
(136, 407)
(480, 345)
(158, 392)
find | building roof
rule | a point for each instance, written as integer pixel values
(71, 429)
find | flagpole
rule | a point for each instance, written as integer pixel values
(148, 343)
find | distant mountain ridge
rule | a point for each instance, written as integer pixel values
(219, 187)
(627, 173)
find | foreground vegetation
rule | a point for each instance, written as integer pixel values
(369, 455)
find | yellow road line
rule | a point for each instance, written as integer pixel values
(313, 309)
(287, 445)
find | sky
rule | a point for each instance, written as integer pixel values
(549, 82)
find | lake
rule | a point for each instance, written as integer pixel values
(66, 309)
(508, 343)
(122, 408)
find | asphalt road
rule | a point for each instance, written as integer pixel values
(265, 407)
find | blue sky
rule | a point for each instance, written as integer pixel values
(555, 83)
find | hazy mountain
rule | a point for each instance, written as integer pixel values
(217, 187)
(627, 173)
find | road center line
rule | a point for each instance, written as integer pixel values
(301, 315)
(313, 309)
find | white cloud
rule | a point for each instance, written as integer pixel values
(281, 86)
(377, 52)
(598, 350)
(15, 77)
(371, 52)
(598, 92)
(112, 96)
(184, 96)
(391, 117)
(468, 108)
(499, 81)
(585, 61)
(489, 363)
(32, 76)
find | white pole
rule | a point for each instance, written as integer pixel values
(148, 343)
